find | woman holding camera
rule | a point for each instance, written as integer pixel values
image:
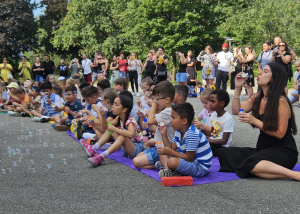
(75, 66)
(133, 63)
(207, 59)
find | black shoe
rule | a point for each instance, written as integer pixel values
(45, 119)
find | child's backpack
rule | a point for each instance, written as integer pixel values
(77, 129)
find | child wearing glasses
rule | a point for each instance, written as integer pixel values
(163, 95)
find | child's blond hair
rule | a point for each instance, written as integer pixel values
(205, 94)
(70, 82)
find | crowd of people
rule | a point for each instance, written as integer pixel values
(161, 129)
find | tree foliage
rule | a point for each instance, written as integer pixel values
(17, 28)
(255, 22)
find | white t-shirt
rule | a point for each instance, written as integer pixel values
(165, 116)
(221, 125)
(296, 74)
(86, 66)
(225, 59)
(145, 106)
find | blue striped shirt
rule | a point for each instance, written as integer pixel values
(194, 140)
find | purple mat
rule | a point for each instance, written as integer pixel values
(212, 177)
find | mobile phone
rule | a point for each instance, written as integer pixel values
(203, 53)
(74, 60)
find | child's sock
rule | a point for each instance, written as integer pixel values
(104, 154)
(95, 147)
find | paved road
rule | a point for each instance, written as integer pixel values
(75, 187)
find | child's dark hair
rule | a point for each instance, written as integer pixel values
(36, 88)
(89, 91)
(103, 84)
(185, 110)
(199, 83)
(57, 89)
(122, 81)
(109, 94)
(164, 89)
(183, 90)
(126, 93)
(83, 85)
(126, 102)
(20, 91)
(71, 88)
(154, 83)
(222, 95)
(46, 85)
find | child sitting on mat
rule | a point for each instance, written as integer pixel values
(205, 114)
(189, 150)
(124, 129)
(221, 124)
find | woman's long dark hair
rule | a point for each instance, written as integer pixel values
(126, 102)
(276, 90)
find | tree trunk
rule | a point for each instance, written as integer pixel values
(174, 67)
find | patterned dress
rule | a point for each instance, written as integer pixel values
(138, 137)
(208, 60)
(248, 68)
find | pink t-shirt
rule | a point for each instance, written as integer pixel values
(205, 116)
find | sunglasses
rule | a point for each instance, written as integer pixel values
(281, 45)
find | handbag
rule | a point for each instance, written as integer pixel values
(161, 73)
(232, 67)
(76, 74)
(9, 76)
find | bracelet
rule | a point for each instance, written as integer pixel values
(235, 97)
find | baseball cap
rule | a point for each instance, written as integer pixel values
(225, 45)
(61, 78)
(12, 85)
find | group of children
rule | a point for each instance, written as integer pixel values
(159, 131)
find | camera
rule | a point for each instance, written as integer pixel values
(203, 53)
(74, 60)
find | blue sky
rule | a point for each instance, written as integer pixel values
(39, 10)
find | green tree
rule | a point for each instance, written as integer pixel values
(17, 28)
(176, 25)
(50, 21)
(88, 26)
(254, 22)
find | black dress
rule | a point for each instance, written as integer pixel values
(150, 69)
(242, 160)
(238, 69)
(248, 68)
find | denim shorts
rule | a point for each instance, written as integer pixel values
(51, 114)
(194, 169)
(291, 97)
(122, 73)
(152, 155)
(139, 147)
(181, 77)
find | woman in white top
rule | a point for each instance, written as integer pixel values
(134, 63)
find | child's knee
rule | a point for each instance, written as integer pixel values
(173, 163)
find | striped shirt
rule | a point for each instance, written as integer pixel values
(194, 140)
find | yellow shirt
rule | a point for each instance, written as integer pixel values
(25, 71)
(4, 71)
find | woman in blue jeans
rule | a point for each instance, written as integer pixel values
(38, 70)
(181, 76)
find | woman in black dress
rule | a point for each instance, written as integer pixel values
(276, 153)
(248, 67)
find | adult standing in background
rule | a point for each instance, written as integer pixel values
(265, 56)
(6, 70)
(149, 66)
(161, 62)
(63, 68)
(104, 61)
(75, 66)
(248, 61)
(192, 75)
(181, 76)
(238, 67)
(86, 68)
(133, 63)
(96, 67)
(25, 68)
(208, 70)
(38, 70)
(115, 72)
(123, 66)
(224, 59)
(277, 40)
(49, 66)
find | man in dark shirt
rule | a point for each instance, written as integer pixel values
(49, 66)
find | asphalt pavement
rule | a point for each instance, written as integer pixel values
(48, 172)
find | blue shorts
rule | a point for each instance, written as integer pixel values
(39, 78)
(181, 77)
(51, 114)
(152, 155)
(291, 97)
(139, 147)
(122, 73)
(194, 169)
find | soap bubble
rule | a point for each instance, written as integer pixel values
(26, 138)
(64, 160)
(33, 146)
(27, 151)
(9, 170)
(29, 167)
(48, 166)
(71, 156)
(15, 163)
(31, 161)
(3, 171)
(22, 138)
(55, 145)
(33, 170)
(62, 144)
(45, 144)
(51, 155)
(30, 133)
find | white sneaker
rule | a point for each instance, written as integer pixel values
(88, 135)
(133, 93)
(10, 113)
(37, 119)
(137, 94)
